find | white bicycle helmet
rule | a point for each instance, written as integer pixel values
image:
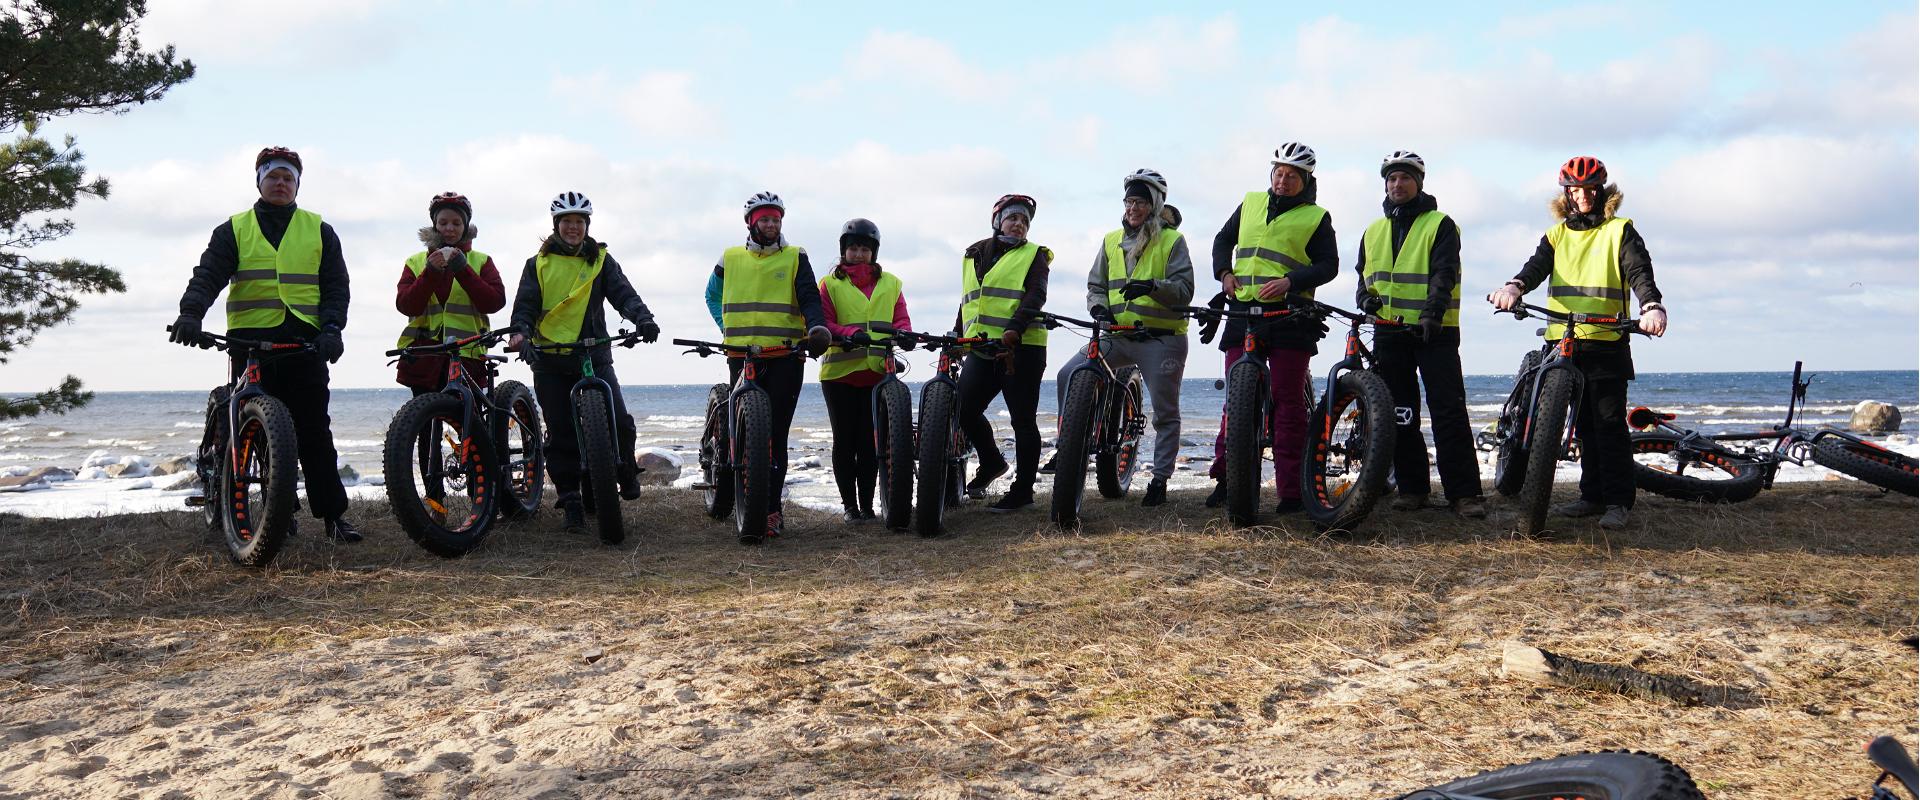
(1406, 159)
(1295, 154)
(570, 203)
(760, 200)
(1152, 179)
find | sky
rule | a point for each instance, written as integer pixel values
(1767, 154)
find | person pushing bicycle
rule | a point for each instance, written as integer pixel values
(1409, 268)
(286, 281)
(559, 302)
(446, 291)
(763, 293)
(1589, 260)
(854, 297)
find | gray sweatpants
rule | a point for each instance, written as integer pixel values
(1163, 362)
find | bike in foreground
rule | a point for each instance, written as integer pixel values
(594, 424)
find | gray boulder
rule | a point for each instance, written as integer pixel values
(1873, 416)
(173, 465)
(659, 469)
(50, 474)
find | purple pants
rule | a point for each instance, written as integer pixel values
(1286, 377)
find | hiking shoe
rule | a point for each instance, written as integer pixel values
(1409, 502)
(575, 514)
(1218, 496)
(1615, 518)
(1016, 498)
(1470, 507)
(854, 517)
(1156, 494)
(630, 484)
(1290, 505)
(1047, 468)
(776, 524)
(340, 530)
(984, 477)
(1578, 508)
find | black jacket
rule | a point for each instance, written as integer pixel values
(1443, 262)
(986, 253)
(611, 284)
(222, 257)
(1636, 265)
(1323, 265)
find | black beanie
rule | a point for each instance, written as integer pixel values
(1141, 190)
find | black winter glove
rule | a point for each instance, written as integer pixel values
(1102, 314)
(649, 330)
(329, 346)
(817, 340)
(1135, 290)
(1209, 329)
(1429, 329)
(186, 330)
(1373, 303)
(905, 343)
(860, 339)
(528, 354)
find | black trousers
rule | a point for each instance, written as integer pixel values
(983, 378)
(554, 389)
(1606, 449)
(1406, 363)
(299, 382)
(781, 378)
(856, 466)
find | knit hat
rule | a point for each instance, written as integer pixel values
(1141, 190)
(260, 172)
(1009, 210)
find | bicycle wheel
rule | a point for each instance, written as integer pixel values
(753, 476)
(1350, 441)
(1116, 464)
(1606, 775)
(518, 443)
(1509, 432)
(1663, 466)
(893, 444)
(213, 453)
(1548, 425)
(259, 500)
(714, 473)
(592, 411)
(445, 501)
(1869, 462)
(1076, 432)
(936, 442)
(1245, 422)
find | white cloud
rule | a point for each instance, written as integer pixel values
(1149, 55)
(1781, 185)
(656, 104)
(911, 58)
(212, 31)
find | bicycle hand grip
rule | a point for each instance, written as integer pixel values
(1887, 754)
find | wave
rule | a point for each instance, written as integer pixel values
(673, 418)
(188, 424)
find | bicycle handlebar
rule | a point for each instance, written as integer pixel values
(936, 340)
(1519, 311)
(228, 343)
(487, 339)
(705, 349)
(1052, 320)
(623, 339)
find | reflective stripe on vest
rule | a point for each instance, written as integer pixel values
(1152, 266)
(986, 308)
(270, 281)
(566, 292)
(757, 302)
(855, 308)
(1401, 280)
(1586, 276)
(1267, 251)
(452, 318)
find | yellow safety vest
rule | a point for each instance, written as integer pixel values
(566, 290)
(452, 318)
(1151, 266)
(1586, 276)
(757, 302)
(986, 309)
(1401, 281)
(855, 308)
(1267, 251)
(270, 281)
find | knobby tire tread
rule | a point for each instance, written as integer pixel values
(513, 400)
(413, 422)
(282, 454)
(1369, 391)
(1543, 449)
(1070, 462)
(1743, 479)
(754, 473)
(895, 450)
(1244, 425)
(936, 435)
(599, 464)
(1115, 467)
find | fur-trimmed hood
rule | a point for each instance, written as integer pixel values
(1609, 207)
(430, 236)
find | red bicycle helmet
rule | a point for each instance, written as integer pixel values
(449, 200)
(1583, 171)
(271, 153)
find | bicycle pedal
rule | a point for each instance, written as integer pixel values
(196, 501)
(701, 487)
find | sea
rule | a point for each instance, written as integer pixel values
(151, 427)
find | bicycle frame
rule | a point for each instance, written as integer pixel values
(1107, 377)
(246, 385)
(476, 394)
(1559, 356)
(752, 355)
(588, 380)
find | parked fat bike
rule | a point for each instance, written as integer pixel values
(941, 450)
(1606, 775)
(594, 426)
(893, 442)
(1246, 421)
(1534, 432)
(1350, 432)
(736, 451)
(1720, 468)
(460, 457)
(248, 461)
(1103, 419)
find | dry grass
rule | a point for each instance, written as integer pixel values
(1151, 653)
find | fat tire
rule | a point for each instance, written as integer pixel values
(1116, 464)
(1367, 393)
(518, 427)
(936, 439)
(1070, 462)
(1744, 477)
(212, 456)
(1878, 466)
(753, 475)
(1604, 775)
(1510, 455)
(599, 462)
(894, 448)
(718, 496)
(1543, 451)
(1245, 420)
(411, 423)
(254, 542)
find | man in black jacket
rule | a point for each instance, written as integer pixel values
(288, 284)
